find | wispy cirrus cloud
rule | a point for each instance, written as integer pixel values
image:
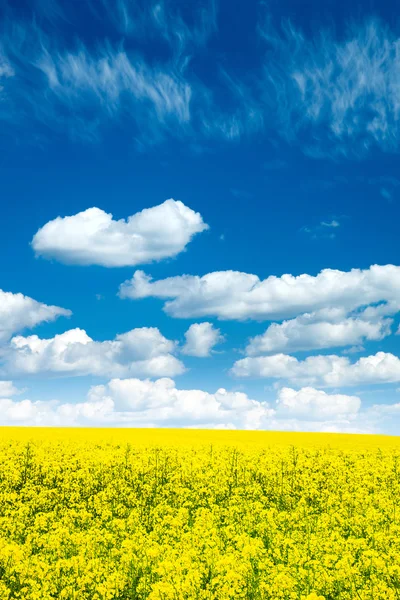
(338, 96)
(324, 229)
(71, 84)
(6, 72)
(6, 69)
(138, 76)
(117, 87)
(160, 19)
(151, 72)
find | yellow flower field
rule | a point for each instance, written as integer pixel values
(173, 515)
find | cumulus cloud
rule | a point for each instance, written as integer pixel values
(316, 404)
(201, 339)
(142, 352)
(322, 370)
(26, 412)
(310, 331)
(93, 237)
(385, 417)
(340, 96)
(162, 403)
(18, 312)
(143, 403)
(236, 295)
(7, 389)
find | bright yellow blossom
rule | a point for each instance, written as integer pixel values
(183, 515)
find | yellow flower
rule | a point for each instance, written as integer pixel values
(160, 515)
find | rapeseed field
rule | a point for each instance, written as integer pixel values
(174, 515)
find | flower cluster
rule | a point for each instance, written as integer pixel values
(91, 515)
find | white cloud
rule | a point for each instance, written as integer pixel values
(338, 96)
(324, 229)
(80, 87)
(386, 417)
(93, 237)
(113, 81)
(7, 389)
(6, 72)
(161, 18)
(158, 19)
(143, 403)
(335, 96)
(236, 295)
(354, 350)
(310, 403)
(154, 98)
(308, 332)
(386, 409)
(99, 411)
(162, 403)
(324, 371)
(201, 339)
(142, 352)
(25, 412)
(333, 223)
(18, 312)
(6, 69)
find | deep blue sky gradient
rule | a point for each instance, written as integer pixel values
(256, 192)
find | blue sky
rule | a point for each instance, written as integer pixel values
(273, 133)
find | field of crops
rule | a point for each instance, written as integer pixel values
(174, 515)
